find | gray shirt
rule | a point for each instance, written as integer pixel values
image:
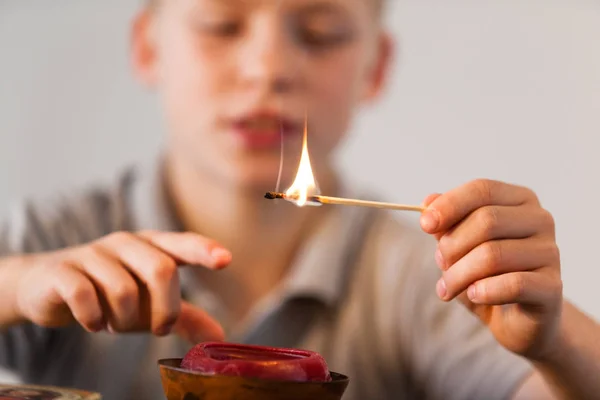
(361, 293)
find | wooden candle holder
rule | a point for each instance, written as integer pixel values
(181, 384)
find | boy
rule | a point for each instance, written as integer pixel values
(353, 284)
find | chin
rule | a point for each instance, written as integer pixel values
(260, 174)
(259, 182)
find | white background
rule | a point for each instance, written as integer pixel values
(501, 89)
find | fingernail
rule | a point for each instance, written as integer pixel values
(441, 289)
(472, 293)
(220, 255)
(439, 259)
(430, 220)
(110, 329)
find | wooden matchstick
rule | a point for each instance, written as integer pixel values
(348, 202)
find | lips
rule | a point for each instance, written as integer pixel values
(264, 129)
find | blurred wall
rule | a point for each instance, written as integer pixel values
(501, 89)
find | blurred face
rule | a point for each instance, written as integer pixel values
(237, 77)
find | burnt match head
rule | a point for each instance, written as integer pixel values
(274, 195)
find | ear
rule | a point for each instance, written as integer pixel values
(143, 47)
(379, 70)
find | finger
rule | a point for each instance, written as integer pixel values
(451, 207)
(196, 325)
(77, 291)
(429, 199)
(189, 248)
(156, 270)
(119, 293)
(496, 258)
(528, 288)
(492, 223)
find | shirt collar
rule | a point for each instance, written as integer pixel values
(326, 259)
(323, 264)
(150, 204)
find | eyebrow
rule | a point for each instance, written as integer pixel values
(322, 8)
(226, 3)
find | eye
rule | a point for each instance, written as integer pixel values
(223, 28)
(316, 38)
(320, 31)
(217, 23)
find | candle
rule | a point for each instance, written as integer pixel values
(228, 371)
(262, 362)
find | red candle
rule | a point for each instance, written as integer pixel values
(262, 362)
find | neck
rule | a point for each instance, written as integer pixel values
(263, 235)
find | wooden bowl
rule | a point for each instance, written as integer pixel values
(180, 384)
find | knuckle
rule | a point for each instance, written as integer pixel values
(118, 237)
(445, 245)
(492, 255)
(484, 188)
(556, 283)
(532, 195)
(54, 260)
(554, 252)
(517, 286)
(92, 251)
(548, 219)
(80, 294)
(488, 217)
(146, 232)
(558, 286)
(125, 294)
(163, 267)
(53, 257)
(483, 291)
(58, 269)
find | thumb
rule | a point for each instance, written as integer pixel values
(480, 310)
(426, 203)
(196, 325)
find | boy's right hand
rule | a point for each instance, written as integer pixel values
(123, 282)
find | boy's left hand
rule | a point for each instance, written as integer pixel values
(498, 254)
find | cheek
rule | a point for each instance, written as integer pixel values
(337, 88)
(188, 79)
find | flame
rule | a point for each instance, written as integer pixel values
(305, 184)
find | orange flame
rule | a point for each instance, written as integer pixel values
(305, 184)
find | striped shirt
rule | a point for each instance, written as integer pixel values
(361, 294)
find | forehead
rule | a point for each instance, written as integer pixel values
(376, 4)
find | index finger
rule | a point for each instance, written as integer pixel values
(448, 209)
(189, 248)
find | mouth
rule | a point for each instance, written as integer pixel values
(264, 129)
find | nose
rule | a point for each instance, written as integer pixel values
(268, 60)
